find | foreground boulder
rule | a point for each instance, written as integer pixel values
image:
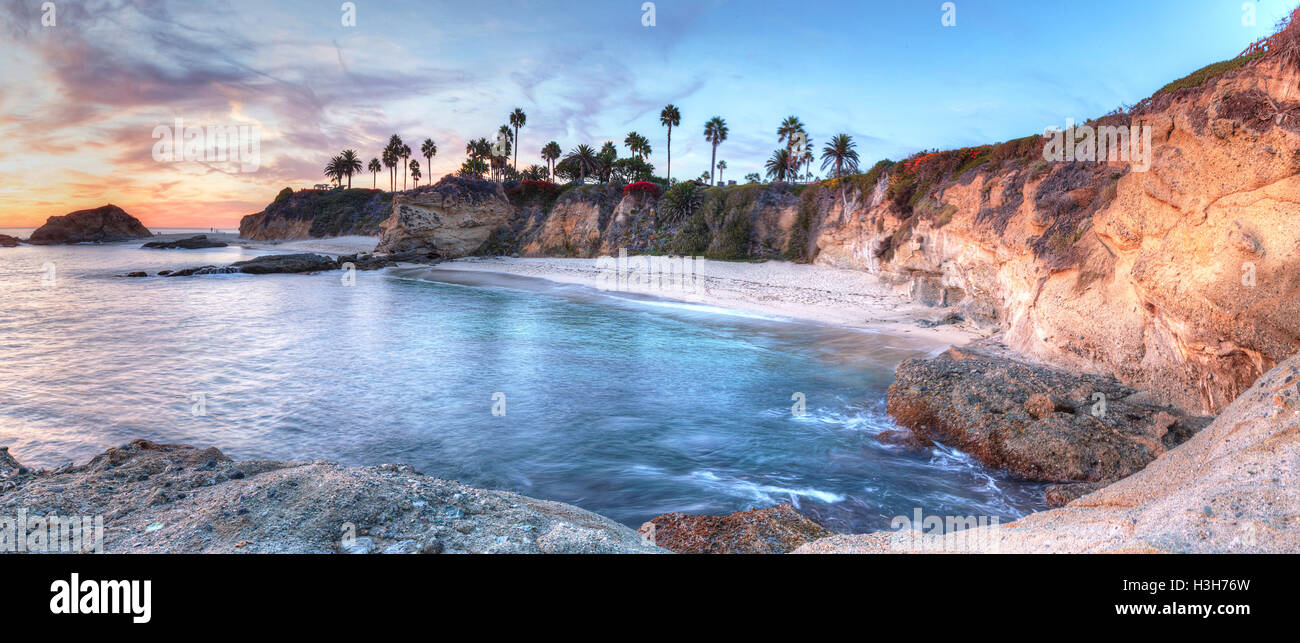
(7, 241)
(99, 225)
(1233, 487)
(1036, 422)
(180, 499)
(452, 218)
(268, 264)
(192, 243)
(774, 530)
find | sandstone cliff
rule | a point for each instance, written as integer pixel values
(453, 217)
(1180, 279)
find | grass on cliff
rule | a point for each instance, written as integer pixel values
(1204, 74)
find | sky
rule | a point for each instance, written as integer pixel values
(86, 100)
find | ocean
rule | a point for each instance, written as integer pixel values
(629, 407)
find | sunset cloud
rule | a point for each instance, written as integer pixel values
(82, 98)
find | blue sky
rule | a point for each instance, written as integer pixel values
(90, 91)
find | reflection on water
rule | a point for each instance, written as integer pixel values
(625, 407)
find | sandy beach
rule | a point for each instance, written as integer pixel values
(848, 298)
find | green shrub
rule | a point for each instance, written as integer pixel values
(733, 239)
(680, 202)
(796, 248)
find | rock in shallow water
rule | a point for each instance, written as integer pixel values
(774, 530)
(1232, 488)
(1036, 422)
(191, 243)
(269, 264)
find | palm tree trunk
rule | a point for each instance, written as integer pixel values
(713, 161)
(670, 155)
(516, 148)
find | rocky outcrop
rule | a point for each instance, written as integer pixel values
(1233, 487)
(1036, 422)
(308, 214)
(99, 225)
(7, 241)
(453, 217)
(165, 498)
(190, 243)
(264, 265)
(773, 530)
(1182, 279)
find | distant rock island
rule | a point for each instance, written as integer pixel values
(99, 225)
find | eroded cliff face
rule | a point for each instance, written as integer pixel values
(307, 214)
(453, 218)
(1182, 279)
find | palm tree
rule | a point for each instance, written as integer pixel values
(637, 144)
(334, 169)
(778, 167)
(792, 133)
(517, 118)
(841, 152)
(375, 167)
(482, 151)
(806, 158)
(789, 128)
(390, 162)
(606, 156)
(715, 131)
(406, 162)
(585, 158)
(395, 145)
(415, 172)
(672, 118)
(349, 164)
(551, 153)
(722, 165)
(429, 150)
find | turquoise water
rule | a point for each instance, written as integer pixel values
(626, 407)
